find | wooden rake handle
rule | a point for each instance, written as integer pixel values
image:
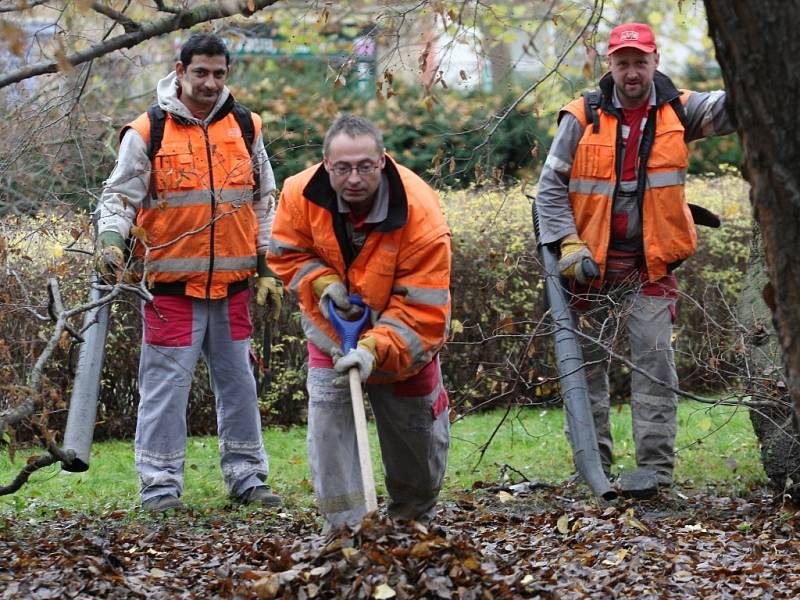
(364, 456)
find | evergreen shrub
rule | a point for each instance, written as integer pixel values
(435, 134)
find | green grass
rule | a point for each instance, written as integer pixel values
(716, 447)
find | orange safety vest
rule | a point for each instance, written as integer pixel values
(198, 220)
(667, 225)
(402, 272)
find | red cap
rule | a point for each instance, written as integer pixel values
(632, 35)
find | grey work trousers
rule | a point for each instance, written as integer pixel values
(177, 330)
(413, 443)
(648, 320)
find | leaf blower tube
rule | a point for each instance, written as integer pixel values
(86, 388)
(574, 393)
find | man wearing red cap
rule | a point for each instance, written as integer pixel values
(612, 190)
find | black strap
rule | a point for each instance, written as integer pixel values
(591, 103)
(157, 118)
(677, 106)
(245, 121)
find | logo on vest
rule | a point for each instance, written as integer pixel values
(234, 132)
(628, 36)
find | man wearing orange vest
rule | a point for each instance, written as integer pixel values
(195, 187)
(612, 189)
(359, 223)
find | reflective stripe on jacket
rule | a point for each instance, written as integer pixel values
(198, 218)
(402, 272)
(668, 228)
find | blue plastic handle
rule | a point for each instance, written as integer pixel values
(348, 330)
(590, 268)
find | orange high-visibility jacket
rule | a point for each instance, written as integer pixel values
(198, 218)
(402, 272)
(668, 228)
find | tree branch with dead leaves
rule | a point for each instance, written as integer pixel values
(136, 33)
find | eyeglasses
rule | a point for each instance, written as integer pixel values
(364, 168)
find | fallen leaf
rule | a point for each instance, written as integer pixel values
(563, 524)
(617, 559)
(383, 591)
(631, 520)
(504, 496)
(267, 588)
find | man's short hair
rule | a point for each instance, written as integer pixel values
(206, 44)
(353, 126)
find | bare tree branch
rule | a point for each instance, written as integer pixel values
(185, 19)
(167, 9)
(27, 407)
(128, 24)
(34, 464)
(591, 22)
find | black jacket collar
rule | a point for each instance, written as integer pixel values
(319, 191)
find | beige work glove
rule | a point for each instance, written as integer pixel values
(362, 356)
(573, 252)
(109, 257)
(330, 286)
(269, 293)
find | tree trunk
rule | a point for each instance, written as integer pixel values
(764, 378)
(756, 44)
(500, 63)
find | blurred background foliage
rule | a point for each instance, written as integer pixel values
(61, 139)
(499, 351)
(436, 109)
(438, 135)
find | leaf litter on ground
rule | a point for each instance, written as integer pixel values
(549, 542)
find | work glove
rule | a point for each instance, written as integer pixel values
(362, 356)
(109, 257)
(573, 253)
(330, 286)
(269, 293)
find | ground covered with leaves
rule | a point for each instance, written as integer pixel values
(524, 541)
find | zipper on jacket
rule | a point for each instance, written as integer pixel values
(213, 210)
(618, 152)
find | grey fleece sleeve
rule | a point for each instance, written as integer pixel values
(706, 115)
(126, 187)
(556, 220)
(264, 207)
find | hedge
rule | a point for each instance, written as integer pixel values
(499, 351)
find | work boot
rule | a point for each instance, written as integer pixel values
(260, 494)
(641, 483)
(163, 503)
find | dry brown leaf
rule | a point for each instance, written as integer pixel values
(563, 524)
(140, 233)
(61, 56)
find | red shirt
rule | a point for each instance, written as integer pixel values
(633, 118)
